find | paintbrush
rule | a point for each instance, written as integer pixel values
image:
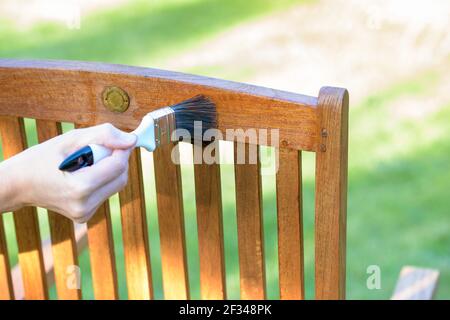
(155, 130)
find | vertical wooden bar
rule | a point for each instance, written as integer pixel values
(134, 233)
(62, 233)
(210, 228)
(25, 220)
(331, 194)
(171, 223)
(102, 256)
(290, 225)
(6, 288)
(101, 252)
(250, 226)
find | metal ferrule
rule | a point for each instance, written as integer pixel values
(164, 125)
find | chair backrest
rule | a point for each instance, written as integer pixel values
(61, 91)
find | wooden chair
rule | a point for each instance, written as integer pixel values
(61, 91)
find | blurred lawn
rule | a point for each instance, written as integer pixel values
(399, 169)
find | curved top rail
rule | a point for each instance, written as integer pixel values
(71, 91)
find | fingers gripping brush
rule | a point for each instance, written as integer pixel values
(156, 129)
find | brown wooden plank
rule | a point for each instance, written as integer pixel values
(171, 224)
(210, 229)
(331, 194)
(250, 225)
(134, 233)
(102, 256)
(101, 252)
(25, 219)
(75, 89)
(6, 288)
(290, 225)
(416, 284)
(62, 233)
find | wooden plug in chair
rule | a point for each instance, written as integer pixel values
(61, 91)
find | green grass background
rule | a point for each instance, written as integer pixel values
(399, 169)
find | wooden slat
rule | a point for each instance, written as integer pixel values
(6, 288)
(134, 233)
(331, 194)
(101, 252)
(76, 89)
(25, 219)
(416, 284)
(290, 225)
(61, 230)
(210, 229)
(250, 225)
(81, 239)
(171, 224)
(102, 256)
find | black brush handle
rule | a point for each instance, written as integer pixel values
(79, 159)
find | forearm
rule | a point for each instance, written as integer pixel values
(10, 193)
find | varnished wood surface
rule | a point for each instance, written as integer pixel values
(25, 220)
(6, 292)
(134, 233)
(171, 224)
(102, 255)
(250, 226)
(62, 233)
(101, 252)
(290, 225)
(331, 194)
(210, 230)
(72, 92)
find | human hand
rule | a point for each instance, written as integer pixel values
(33, 177)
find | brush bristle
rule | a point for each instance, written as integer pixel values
(198, 108)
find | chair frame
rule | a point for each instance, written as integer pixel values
(66, 91)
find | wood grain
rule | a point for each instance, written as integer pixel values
(210, 230)
(62, 233)
(290, 225)
(331, 194)
(171, 224)
(25, 220)
(134, 233)
(6, 291)
(71, 92)
(250, 226)
(101, 252)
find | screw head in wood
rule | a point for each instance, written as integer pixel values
(115, 99)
